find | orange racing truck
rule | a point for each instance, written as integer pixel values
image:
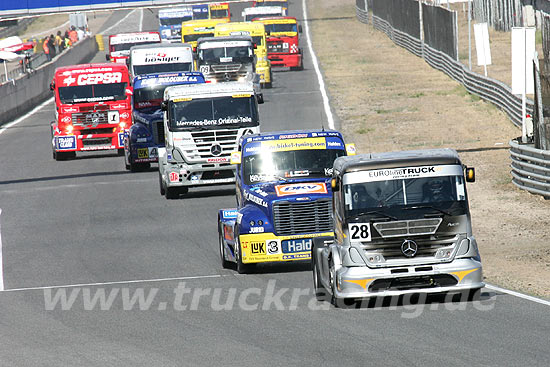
(283, 48)
(92, 108)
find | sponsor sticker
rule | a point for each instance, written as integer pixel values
(66, 142)
(292, 246)
(359, 232)
(121, 140)
(230, 214)
(301, 188)
(174, 177)
(257, 248)
(143, 153)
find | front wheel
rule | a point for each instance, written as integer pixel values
(161, 185)
(241, 267)
(318, 288)
(120, 152)
(225, 264)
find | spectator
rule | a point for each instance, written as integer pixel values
(80, 33)
(67, 41)
(59, 42)
(46, 48)
(73, 36)
(51, 46)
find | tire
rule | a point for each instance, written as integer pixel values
(138, 167)
(319, 290)
(225, 264)
(161, 185)
(120, 152)
(171, 193)
(63, 156)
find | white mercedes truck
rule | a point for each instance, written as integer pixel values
(402, 225)
(203, 124)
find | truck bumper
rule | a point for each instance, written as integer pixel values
(265, 74)
(178, 175)
(364, 282)
(285, 60)
(267, 247)
(144, 152)
(91, 142)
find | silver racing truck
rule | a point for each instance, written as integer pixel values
(402, 225)
(203, 124)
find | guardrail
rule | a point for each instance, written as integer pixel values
(489, 89)
(530, 168)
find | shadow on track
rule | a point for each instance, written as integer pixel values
(64, 177)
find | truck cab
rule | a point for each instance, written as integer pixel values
(170, 20)
(203, 124)
(229, 58)
(257, 32)
(219, 11)
(160, 58)
(120, 44)
(402, 225)
(269, 3)
(283, 49)
(92, 108)
(263, 11)
(192, 30)
(283, 197)
(146, 135)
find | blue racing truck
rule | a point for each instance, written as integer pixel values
(146, 135)
(284, 197)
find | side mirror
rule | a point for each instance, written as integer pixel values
(255, 46)
(334, 184)
(470, 174)
(300, 29)
(52, 85)
(164, 106)
(107, 58)
(128, 62)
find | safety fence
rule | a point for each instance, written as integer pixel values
(487, 88)
(530, 168)
(501, 15)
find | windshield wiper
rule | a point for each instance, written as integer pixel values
(380, 213)
(428, 207)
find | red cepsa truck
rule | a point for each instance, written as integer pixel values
(92, 108)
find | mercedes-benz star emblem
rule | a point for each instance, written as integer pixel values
(409, 248)
(216, 150)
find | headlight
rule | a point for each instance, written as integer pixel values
(69, 129)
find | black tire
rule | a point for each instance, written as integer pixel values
(120, 152)
(319, 290)
(171, 193)
(161, 185)
(138, 167)
(63, 156)
(225, 264)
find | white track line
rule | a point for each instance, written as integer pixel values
(114, 283)
(1, 261)
(29, 114)
(326, 104)
(120, 21)
(518, 294)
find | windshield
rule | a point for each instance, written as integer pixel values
(196, 36)
(268, 166)
(398, 198)
(92, 93)
(174, 21)
(162, 68)
(211, 113)
(258, 40)
(242, 54)
(283, 28)
(148, 97)
(219, 13)
(127, 46)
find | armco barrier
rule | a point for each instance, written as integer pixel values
(486, 88)
(530, 168)
(31, 89)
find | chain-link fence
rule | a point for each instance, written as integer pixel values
(502, 15)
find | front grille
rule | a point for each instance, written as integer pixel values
(415, 227)
(90, 118)
(92, 142)
(416, 282)
(158, 133)
(226, 68)
(302, 217)
(204, 140)
(391, 249)
(217, 175)
(276, 47)
(107, 130)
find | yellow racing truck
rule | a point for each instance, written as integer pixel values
(192, 30)
(257, 32)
